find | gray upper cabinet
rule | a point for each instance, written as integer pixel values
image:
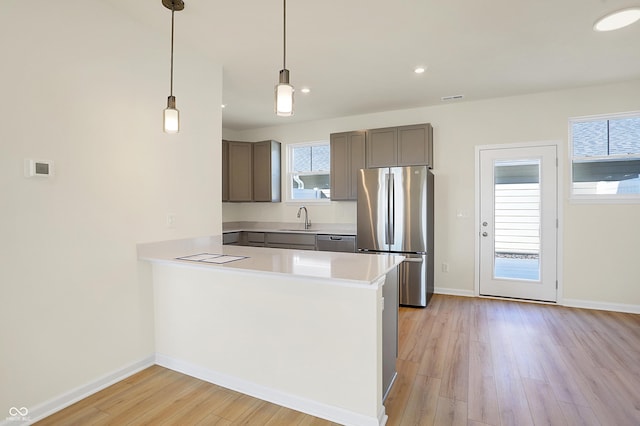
(347, 157)
(225, 170)
(400, 146)
(251, 171)
(240, 171)
(382, 147)
(266, 171)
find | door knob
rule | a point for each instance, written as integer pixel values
(484, 224)
(484, 234)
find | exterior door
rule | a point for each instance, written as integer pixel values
(518, 222)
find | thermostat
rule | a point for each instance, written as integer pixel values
(41, 168)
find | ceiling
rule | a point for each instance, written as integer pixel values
(358, 56)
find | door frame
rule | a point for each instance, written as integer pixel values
(560, 183)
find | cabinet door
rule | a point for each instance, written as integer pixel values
(382, 147)
(262, 171)
(347, 157)
(357, 161)
(340, 166)
(240, 171)
(266, 171)
(415, 147)
(225, 170)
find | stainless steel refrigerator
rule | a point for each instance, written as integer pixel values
(395, 215)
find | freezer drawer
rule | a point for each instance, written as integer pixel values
(413, 276)
(343, 243)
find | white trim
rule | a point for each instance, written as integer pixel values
(559, 207)
(597, 117)
(454, 292)
(568, 303)
(56, 404)
(287, 172)
(601, 306)
(598, 198)
(314, 408)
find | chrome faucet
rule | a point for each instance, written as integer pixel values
(307, 222)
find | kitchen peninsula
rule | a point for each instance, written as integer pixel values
(313, 331)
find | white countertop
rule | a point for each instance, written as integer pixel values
(353, 268)
(290, 227)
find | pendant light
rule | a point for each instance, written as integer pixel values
(284, 90)
(171, 114)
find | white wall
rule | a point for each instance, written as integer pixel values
(85, 87)
(600, 241)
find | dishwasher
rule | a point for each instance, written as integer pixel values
(334, 242)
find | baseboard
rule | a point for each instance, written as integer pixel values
(56, 404)
(601, 306)
(314, 408)
(454, 292)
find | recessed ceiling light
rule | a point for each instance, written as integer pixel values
(617, 20)
(419, 70)
(305, 90)
(223, 106)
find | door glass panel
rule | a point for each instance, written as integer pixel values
(517, 220)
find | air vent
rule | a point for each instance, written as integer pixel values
(452, 98)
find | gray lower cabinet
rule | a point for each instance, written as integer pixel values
(389, 331)
(333, 242)
(232, 238)
(347, 158)
(255, 239)
(400, 146)
(290, 241)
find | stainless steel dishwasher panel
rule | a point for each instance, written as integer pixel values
(333, 242)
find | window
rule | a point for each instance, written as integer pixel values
(308, 171)
(605, 157)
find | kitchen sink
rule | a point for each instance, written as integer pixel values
(298, 230)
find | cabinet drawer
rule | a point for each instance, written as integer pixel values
(231, 238)
(343, 243)
(255, 237)
(292, 246)
(291, 239)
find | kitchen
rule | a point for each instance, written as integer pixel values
(86, 308)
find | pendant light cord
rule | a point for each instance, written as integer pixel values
(284, 36)
(172, 19)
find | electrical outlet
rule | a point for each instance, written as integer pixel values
(171, 221)
(445, 267)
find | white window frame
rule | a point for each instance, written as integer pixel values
(599, 198)
(290, 148)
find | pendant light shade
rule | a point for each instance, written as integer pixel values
(171, 118)
(284, 95)
(284, 90)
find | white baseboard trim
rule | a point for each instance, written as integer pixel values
(454, 292)
(56, 404)
(601, 306)
(308, 406)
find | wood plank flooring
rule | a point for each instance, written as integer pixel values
(462, 361)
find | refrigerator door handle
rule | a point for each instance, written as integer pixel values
(391, 209)
(386, 219)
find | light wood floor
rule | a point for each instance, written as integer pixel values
(462, 361)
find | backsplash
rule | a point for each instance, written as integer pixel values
(332, 212)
